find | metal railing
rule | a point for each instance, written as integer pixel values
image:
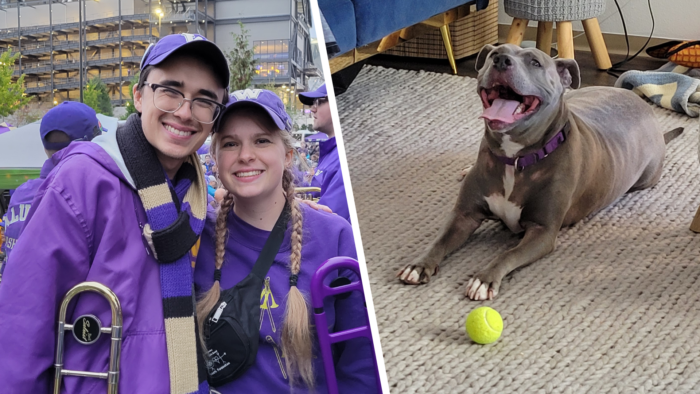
(47, 44)
(115, 34)
(61, 82)
(111, 74)
(66, 22)
(99, 56)
(37, 84)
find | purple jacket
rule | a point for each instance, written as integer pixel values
(85, 226)
(325, 236)
(20, 203)
(330, 179)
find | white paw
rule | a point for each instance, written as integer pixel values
(415, 275)
(464, 173)
(479, 291)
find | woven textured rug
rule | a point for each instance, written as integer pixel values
(614, 309)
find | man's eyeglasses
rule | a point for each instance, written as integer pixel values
(170, 100)
(317, 102)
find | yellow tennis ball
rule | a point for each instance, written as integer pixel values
(484, 325)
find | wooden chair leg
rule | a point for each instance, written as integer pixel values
(597, 43)
(389, 41)
(517, 31)
(565, 40)
(544, 37)
(695, 225)
(447, 39)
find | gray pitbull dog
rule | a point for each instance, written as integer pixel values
(548, 159)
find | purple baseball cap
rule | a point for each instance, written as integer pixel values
(75, 119)
(192, 43)
(266, 99)
(307, 98)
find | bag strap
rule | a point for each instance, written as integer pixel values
(272, 245)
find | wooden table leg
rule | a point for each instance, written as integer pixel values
(565, 40)
(597, 43)
(544, 36)
(517, 31)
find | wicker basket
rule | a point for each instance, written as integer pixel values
(554, 10)
(469, 35)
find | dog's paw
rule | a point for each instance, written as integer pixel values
(463, 173)
(481, 291)
(415, 274)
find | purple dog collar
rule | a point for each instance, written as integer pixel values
(520, 162)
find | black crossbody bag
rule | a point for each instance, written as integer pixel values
(232, 328)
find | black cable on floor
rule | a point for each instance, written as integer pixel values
(615, 70)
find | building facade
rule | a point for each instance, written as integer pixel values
(58, 39)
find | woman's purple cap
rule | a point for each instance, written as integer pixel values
(266, 99)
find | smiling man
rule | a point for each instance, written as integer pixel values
(328, 175)
(127, 212)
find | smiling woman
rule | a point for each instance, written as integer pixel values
(254, 149)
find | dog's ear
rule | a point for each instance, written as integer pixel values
(481, 57)
(569, 73)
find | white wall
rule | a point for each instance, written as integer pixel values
(677, 20)
(251, 8)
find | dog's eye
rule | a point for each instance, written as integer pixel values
(535, 63)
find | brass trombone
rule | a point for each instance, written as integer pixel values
(305, 193)
(86, 330)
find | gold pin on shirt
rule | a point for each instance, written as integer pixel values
(267, 302)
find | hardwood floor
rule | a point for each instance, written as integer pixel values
(590, 75)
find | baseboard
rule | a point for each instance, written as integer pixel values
(615, 42)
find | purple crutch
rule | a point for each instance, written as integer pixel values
(319, 292)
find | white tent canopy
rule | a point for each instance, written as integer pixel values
(22, 148)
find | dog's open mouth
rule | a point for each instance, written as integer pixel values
(503, 104)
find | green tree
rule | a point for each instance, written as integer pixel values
(130, 108)
(241, 61)
(96, 97)
(12, 95)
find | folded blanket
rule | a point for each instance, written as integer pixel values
(671, 86)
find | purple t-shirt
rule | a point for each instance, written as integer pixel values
(325, 236)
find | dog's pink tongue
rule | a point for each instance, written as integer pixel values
(501, 110)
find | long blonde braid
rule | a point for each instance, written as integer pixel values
(297, 339)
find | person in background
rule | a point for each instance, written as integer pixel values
(67, 122)
(208, 164)
(328, 175)
(211, 185)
